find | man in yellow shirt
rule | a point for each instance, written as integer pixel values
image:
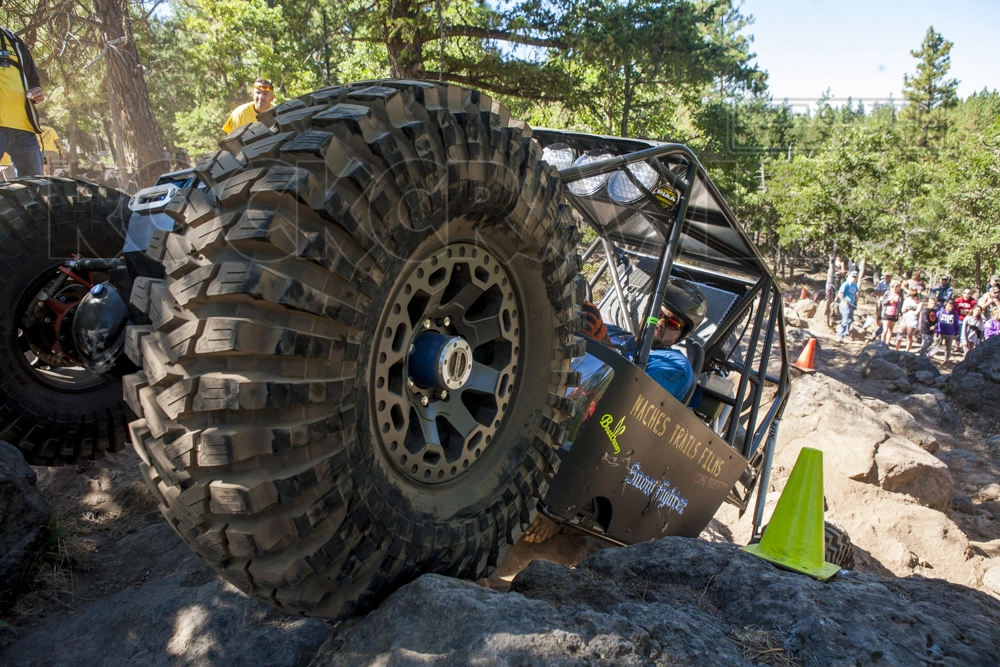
(20, 90)
(52, 156)
(263, 95)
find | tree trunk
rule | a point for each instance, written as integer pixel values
(115, 139)
(140, 133)
(74, 161)
(627, 102)
(833, 258)
(861, 270)
(404, 43)
(979, 270)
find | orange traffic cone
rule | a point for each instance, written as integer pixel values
(805, 294)
(806, 359)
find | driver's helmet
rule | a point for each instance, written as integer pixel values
(686, 301)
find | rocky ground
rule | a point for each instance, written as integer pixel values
(911, 472)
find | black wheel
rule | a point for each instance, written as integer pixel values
(839, 549)
(51, 408)
(359, 353)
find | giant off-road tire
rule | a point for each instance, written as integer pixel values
(297, 426)
(53, 410)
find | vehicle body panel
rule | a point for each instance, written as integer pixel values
(660, 468)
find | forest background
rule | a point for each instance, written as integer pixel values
(911, 184)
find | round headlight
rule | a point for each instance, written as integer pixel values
(559, 156)
(621, 188)
(589, 186)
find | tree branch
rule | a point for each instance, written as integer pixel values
(502, 35)
(489, 86)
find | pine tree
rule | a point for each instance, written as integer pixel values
(929, 93)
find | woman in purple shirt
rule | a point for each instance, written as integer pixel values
(992, 327)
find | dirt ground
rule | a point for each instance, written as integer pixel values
(95, 506)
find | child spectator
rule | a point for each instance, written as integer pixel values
(992, 327)
(948, 327)
(890, 306)
(972, 329)
(964, 304)
(928, 325)
(909, 319)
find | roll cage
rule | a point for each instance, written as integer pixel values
(658, 214)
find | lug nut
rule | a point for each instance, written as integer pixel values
(427, 324)
(410, 382)
(447, 321)
(412, 347)
(444, 394)
(424, 401)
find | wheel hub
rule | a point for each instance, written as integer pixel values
(446, 362)
(438, 361)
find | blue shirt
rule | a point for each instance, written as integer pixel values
(943, 294)
(849, 293)
(672, 371)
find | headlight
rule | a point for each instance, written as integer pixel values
(621, 188)
(559, 156)
(589, 186)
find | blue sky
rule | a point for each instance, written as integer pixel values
(862, 48)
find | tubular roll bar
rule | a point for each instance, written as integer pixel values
(763, 294)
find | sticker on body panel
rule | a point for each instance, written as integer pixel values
(663, 494)
(613, 433)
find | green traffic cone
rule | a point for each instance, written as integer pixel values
(795, 539)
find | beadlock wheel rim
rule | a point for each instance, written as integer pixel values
(433, 435)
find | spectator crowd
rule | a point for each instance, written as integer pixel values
(942, 317)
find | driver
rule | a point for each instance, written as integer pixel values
(683, 310)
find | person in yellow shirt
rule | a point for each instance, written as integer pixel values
(6, 168)
(20, 90)
(263, 96)
(52, 155)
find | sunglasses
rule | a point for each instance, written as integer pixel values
(263, 89)
(671, 322)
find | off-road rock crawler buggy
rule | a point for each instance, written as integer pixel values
(351, 340)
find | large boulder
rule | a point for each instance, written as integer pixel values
(830, 416)
(796, 322)
(933, 411)
(903, 467)
(674, 601)
(902, 423)
(880, 370)
(975, 382)
(909, 362)
(805, 308)
(24, 517)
